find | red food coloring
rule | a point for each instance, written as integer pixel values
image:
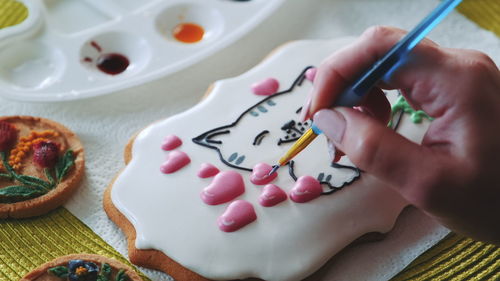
(112, 63)
(8, 135)
(45, 153)
(96, 46)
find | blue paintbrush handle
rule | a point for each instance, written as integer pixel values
(384, 67)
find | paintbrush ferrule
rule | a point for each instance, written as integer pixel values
(297, 147)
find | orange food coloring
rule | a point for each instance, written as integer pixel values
(188, 32)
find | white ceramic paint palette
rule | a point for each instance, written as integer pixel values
(73, 49)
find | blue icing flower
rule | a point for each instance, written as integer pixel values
(80, 270)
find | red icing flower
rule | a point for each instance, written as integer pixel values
(8, 135)
(45, 153)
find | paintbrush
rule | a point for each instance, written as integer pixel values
(381, 70)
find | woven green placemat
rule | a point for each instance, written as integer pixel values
(27, 243)
(12, 13)
(455, 258)
(486, 13)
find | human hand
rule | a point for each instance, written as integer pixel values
(454, 175)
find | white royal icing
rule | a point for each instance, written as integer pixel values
(288, 241)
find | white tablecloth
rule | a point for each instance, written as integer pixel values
(105, 123)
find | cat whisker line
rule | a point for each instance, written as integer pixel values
(208, 137)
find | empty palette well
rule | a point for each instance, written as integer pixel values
(70, 16)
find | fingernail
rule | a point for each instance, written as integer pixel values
(365, 110)
(304, 113)
(332, 123)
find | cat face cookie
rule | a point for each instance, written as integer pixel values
(42, 163)
(195, 200)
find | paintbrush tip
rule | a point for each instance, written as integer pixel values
(275, 168)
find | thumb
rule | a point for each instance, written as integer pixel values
(370, 145)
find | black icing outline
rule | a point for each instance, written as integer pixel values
(205, 138)
(332, 187)
(258, 138)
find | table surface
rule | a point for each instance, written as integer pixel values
(126, 112)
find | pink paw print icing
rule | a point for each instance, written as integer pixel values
(266, 87)
(311, 74)
(171, 142)
(272, 195)
(260, 174)
(207, 170)
(238, 214)
(225, 187)
(306, 189)
(175, 161)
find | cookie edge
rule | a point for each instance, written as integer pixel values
(42, 269)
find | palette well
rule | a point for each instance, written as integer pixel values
(74, 49)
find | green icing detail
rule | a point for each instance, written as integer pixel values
(59, 271)
(415, 115)
(30, 186)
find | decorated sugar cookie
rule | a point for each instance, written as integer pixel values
(214, 214)
(82, 267)
(42, 163)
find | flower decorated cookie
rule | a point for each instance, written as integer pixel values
(41, 165)
(82, 267)
(207, 208)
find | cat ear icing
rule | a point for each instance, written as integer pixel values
(311, 74)
(266, 87)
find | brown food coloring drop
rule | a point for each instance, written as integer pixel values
(112, 63)
(188, 32)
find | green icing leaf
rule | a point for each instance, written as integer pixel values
(49, 176)
(415, 115)
(17, 193)
(4, 175)
(121, 276)
(64, 164)
(34, 181)
(105, 272)
(59, 271)
(31, 186)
